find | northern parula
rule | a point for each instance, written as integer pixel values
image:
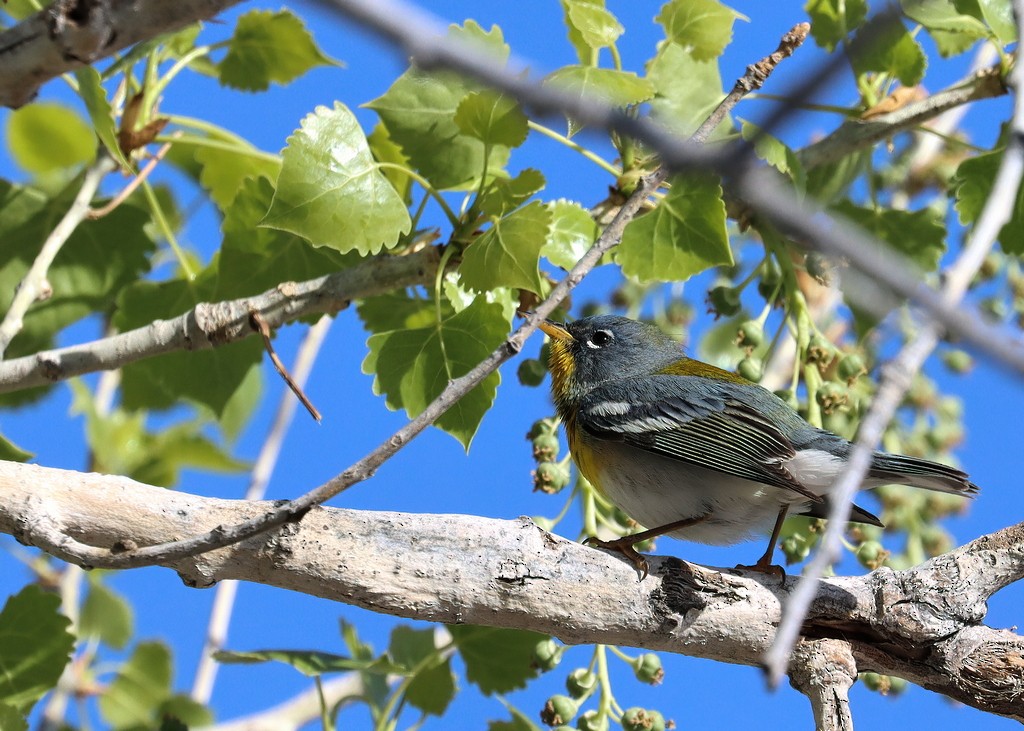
(694, 451)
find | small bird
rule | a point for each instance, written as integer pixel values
(697, 452)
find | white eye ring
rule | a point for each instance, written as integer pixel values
(605, 337)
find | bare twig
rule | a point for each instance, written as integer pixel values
(896, 377)
(135, 182)
(224, 598)
(34, 282)
(261, 326)
(213, 325)
(297, 712)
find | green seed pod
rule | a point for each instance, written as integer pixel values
(936, 540)
(642, 719)
(546, 447)
(872, 681)
(580, 682)
(724, 300)
(592, 721)
(831, 396)
(558, 710)
(958, 361)
(547, 654)
(531, 372)
(796, 548)
(770, 276)
(819, 350)
(647, 669)
(679, 313)
(751, 369)
(542, 426)
(871, 554)
(550, 477)
(750, 334)
(851, 367)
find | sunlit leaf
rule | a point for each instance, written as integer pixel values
(35, 645)
(508, 253)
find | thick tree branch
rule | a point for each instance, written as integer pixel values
(857, 134)
(210, 325)
(73, 33)
(922, 624)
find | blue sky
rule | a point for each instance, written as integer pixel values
(433, 474)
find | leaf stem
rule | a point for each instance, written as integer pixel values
(165, 228)
(592, 156)
(434, 193)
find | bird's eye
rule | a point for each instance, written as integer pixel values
(600, 339)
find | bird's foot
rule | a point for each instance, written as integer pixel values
(765, 566)
(624, 546)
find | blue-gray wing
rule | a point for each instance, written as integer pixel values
(682, 418)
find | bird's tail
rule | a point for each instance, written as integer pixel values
(897, 469)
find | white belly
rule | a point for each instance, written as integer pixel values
(657, 490)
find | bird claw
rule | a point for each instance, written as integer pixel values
(625, 547)
(765, 567)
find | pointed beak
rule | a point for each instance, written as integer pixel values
(555, 331)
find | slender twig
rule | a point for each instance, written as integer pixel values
(261, 326)
(135, 182)
(130, 555)
(897, 376)
(224, 598)
(34, 282)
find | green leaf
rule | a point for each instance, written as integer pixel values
(918, 235)
(11, 719)
(497, 660)
(973, 185)
(107, 616)
(618, 88)
(254, 259)
(100, 112)
(996, 14)
(492, 118)
(573, 231)
(508, 253)
(591, 27)
(775, 153)
(11, 452)
(687, 91)
(331, 191)
(43, 137)
(181, 709)
(409, 647)
(833, 20)
(888, 48)
(35, 645)
(832, 181)
(384, 149)
(413, 366)
(703, 27)
(419, 113)
(143, 682)
(952, 31)
(207, 377)
(504, 195)
(432, 689)
(268, 46)
(311, 663)
(683, 236)
(96, 262)
(222, 172)
(396, 311)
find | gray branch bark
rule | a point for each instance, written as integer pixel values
(922, 624)
(74, 33)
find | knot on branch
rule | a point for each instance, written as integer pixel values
(82, 28)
